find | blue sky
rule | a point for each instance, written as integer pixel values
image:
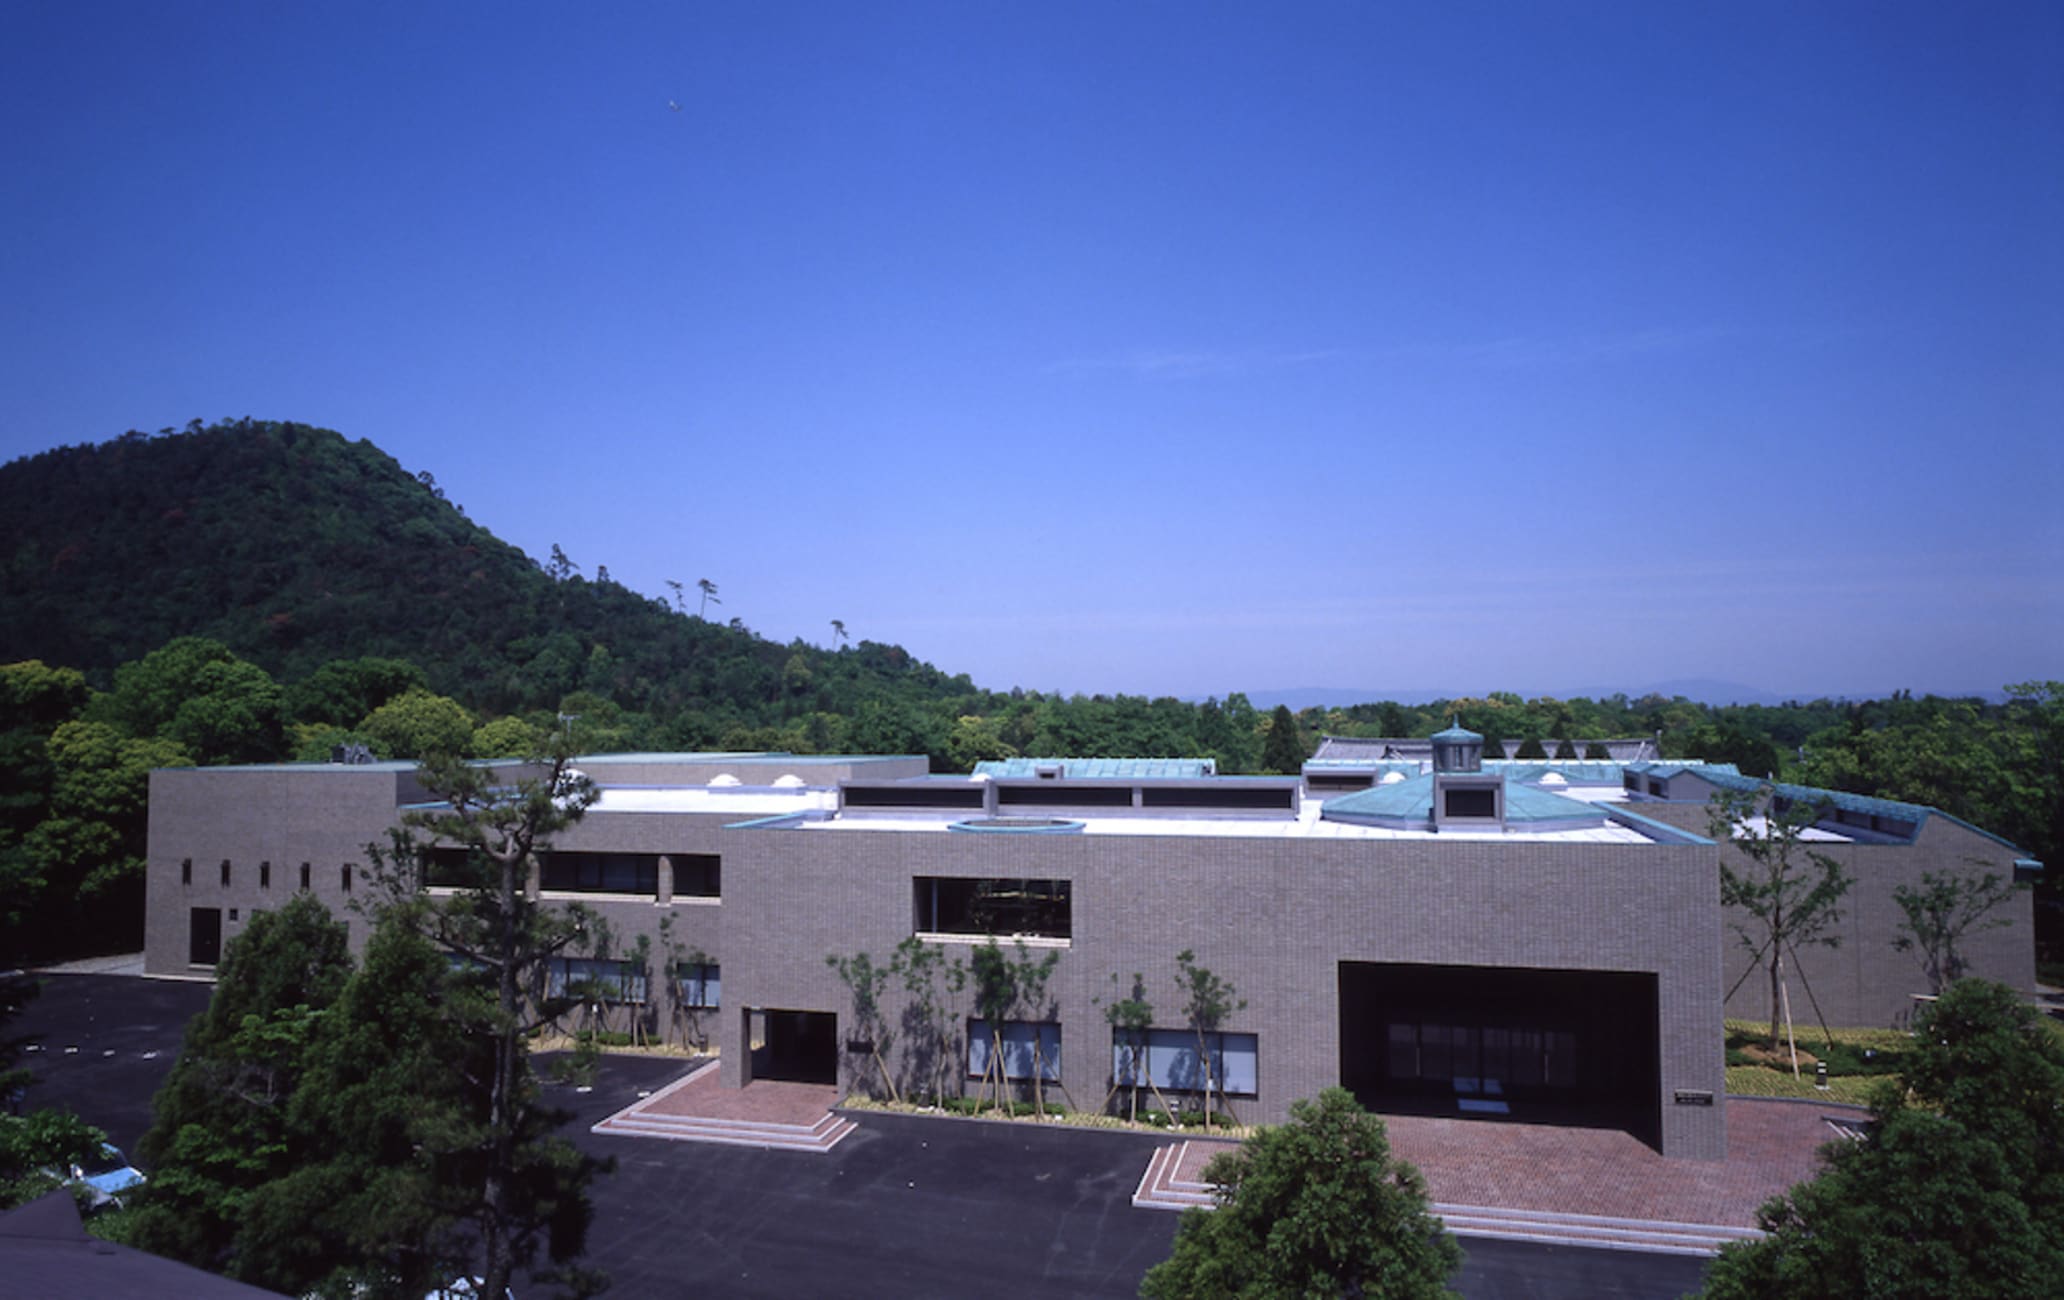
(1173, 349)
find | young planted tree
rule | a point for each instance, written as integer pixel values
(1787, 896)
(1936, 915)
(1008, 988)
(504, 819)
(634, 982)
(1130, 1017)
(1315, 1207)
(932, 984)
(683, 966)
(866, 982)
(1206, 1002)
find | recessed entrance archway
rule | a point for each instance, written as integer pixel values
(1485, 1042)
(793, 1046)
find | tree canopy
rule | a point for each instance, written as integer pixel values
(1956, 1189)
(1314, 1207)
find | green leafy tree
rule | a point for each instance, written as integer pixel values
(221, 1130)
(1282, 750)
(399, 1083)
(87, 855)
(344, 690)
(1314, 1207)
(975, 740)
(417, 724)
(235, 715)
(506, 737)
(528, 1188)
(194, 692)
(35, 699)
(1956, 1189)
(1936, 915)
(1786, 896)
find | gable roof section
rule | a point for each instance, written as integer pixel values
(1726, 777)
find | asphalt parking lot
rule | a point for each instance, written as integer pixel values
(906, 1206)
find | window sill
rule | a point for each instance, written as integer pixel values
(1002, 940)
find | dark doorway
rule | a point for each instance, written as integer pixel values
(1547, 1046)
(797, 1047)
(204, 936)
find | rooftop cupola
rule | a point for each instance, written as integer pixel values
(1458, 749)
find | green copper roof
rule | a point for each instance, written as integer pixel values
(1410, 804)
(1726, 777)
(1092, 768)
(1458, 732)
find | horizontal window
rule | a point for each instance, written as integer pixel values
(594, 979)
(1469, 802)
(924, 795)
(1064, 796)
(1168, 1059)
(1026, 1046)
(448, 868)
(700, 984)
(1479, 1058)
(698, 875)
(952, 905)
(600, 873)
(1264, 799)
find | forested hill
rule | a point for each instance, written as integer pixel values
(295, 546)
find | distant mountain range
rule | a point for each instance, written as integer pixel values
(1704, 690)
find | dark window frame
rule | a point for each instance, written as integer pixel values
(1004, 907)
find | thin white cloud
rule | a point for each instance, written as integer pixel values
(1514, 352)
(1175, 364)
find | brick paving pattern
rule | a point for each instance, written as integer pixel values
(765, 1102)
(1771, 1145)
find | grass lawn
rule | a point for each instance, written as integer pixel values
(1856, 1061)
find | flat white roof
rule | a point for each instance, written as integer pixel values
(742, 801)
(1308, 825)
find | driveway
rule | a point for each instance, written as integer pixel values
(906, 1206)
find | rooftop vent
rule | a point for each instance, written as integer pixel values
(1047, 771)
(1458, 749)
(353, 753)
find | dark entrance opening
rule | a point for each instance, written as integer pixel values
(1546, 1046)
(796, 1047)
(204, 936)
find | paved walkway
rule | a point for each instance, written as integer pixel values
(1470, 1165)
(764, 1102)
(772, 1116)
(1771, 1145)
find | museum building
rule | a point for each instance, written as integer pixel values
(1436, 932)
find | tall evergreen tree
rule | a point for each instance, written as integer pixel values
(1283, 752)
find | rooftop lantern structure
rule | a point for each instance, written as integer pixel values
(1458, 749)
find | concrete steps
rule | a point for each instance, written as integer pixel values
(1162, 1187)
(820, 1137)
(1589, 1230)
(644, 1119)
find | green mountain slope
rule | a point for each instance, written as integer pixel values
(295, 546)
